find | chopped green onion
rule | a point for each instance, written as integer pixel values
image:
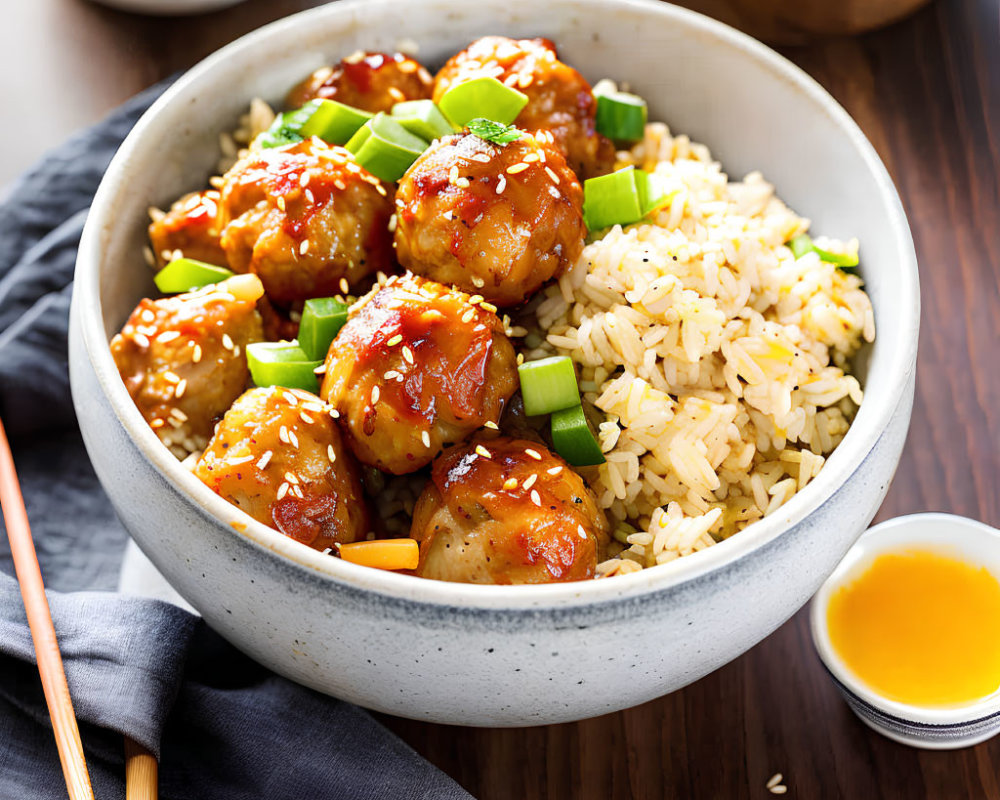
(322, 319)
(611, 199)
(803, 244)
(422, 118)
(621, 116)
(185, 274)
(548, 385)
(333, 122)
(282, 364)
(287, 127)
(573, 439)
(482, 97)
(622, 197)
(385, 148)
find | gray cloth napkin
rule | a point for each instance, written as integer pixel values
(223, 727)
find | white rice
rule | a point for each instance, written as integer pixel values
(719, 360)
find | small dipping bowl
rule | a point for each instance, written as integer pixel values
(930, 727)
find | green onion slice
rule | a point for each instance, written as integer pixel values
(482, 97)
(322, 319)
(803, 244)
(333, 122)
(422, 118)
(622, 197)
(185, 274)
(573, 439)
(548, 385)
(621, 116)
(385, 148)
(287, 127)
(282, 364)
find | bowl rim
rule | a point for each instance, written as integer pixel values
(890, 536)
(871, 421)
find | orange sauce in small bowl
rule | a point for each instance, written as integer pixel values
(921, 628)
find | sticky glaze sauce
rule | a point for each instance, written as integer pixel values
(920, 627)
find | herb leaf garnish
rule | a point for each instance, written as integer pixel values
(495, 132)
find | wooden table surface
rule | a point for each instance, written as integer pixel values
(926, 91)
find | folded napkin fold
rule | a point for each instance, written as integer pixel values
(223, 726)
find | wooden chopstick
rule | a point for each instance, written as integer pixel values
(50, 667)
(140, 764)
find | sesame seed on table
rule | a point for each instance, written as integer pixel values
(926, 93)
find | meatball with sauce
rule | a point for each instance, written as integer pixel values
(278, 455)
(507, 511)
(182, 357)
(369, 81)
(559, 98)
(417, 366)
(191, 227)
(303, 218)
(498, 220)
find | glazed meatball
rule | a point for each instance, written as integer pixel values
(278, 455)
(182, 358)
(559, 98)
(191, 227)
(507, 511)
(417, 366)
(304, 217)
(369, 81)
(499, 220)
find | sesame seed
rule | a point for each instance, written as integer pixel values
(318, 408)
(281, 202)
(488, 307)
(390, 375)
(520, 359)
(264, 460)
(334, 414)
(554, 470)
(304, 247)
(181, 388)
(283, 435)
(533, 454)
(196, 354)
(392, 223)
(375, 394)
(227, 341)
(453, 173)
(345, 287)
(393, 341)
(241, 460)
(236, 351)
(541, 156)
(290, 398)
(304, 179)
(462, 183)
(173, 377)
(530, 157)
(293, 439)
(174, 423)
(501, 184)
(380, 189)
(774, 780)
(179, 415)
(510, 484)
(331, 454)
(407, 354)
(297, 491)
(306, 418)
(468, 315)
(282, 490)
(520, 166)
(476, 299)
(147, 316)
(448, 215)
(168, 336)
(310, 197)
(581, 531)
(530, 481)
(141, 340)
(535, 498)
(156, 423)
(478, 282)
(396, 94)
(779, 789)
(551, 174)
(425, 437)
(482, 451)
(491, 425)
(291, 477)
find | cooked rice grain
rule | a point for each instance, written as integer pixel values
(718, 358)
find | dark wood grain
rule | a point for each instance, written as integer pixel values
(926, 91)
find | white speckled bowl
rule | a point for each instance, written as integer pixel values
(482, 655)
(941, 728)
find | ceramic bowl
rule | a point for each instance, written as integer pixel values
(494, 655)
(930, 728)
